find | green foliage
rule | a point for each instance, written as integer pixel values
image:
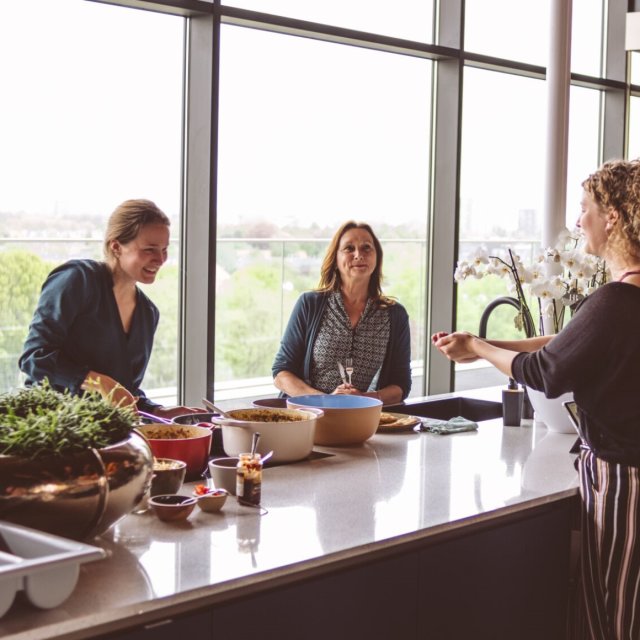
(22, 274)
(474, 296)
(40, 421)
(163, 365)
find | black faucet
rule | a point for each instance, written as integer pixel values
(514, 302)
(527, 409)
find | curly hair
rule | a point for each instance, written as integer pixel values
(330, 279)
(127, 219)
(616, 185)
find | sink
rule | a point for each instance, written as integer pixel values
(448, 408)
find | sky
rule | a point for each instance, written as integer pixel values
(92, 116)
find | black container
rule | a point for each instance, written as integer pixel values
(512, 402)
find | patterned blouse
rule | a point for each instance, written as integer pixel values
(366, 344)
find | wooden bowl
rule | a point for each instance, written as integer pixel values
(172, 508)
(347, 420)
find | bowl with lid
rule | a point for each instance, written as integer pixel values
(289, 433)
(347, 419)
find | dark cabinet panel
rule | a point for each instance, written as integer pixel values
(190, 627)
(500, 584)
(378, 600)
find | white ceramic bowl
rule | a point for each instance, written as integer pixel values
(347, 419)
(289, 433)
(551, 411)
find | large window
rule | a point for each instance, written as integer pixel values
(502, 178)
(312, 134)
(90, 116)
(510, 29)
(409, 19)
(299, 135)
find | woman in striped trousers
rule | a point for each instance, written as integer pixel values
(597, 356)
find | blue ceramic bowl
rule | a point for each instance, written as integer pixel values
(347, 420)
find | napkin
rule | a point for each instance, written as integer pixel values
(444, 427)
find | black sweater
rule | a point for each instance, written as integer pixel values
(597, 356)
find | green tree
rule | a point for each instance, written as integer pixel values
(21, 276)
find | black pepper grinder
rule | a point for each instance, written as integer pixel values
(512, 400)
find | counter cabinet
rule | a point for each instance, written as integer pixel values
(498, 582)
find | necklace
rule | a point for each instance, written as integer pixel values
(626, 274)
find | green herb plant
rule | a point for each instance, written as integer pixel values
(40, 421)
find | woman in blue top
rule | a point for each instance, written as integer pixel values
(93, 327)
(347, 317)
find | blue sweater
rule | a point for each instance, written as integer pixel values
(76, 328)
(296, 348)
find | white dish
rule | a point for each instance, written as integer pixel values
(290, 440)
(551, 411)
(44, 566)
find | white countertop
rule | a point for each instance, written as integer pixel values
(393, 489)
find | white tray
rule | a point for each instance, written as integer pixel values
(44, 566)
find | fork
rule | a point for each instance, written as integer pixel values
(348, 367)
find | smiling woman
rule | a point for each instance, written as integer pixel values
(347, 320)
(93, 327)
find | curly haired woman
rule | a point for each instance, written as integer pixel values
(597, 356)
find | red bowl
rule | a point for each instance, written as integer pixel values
(188, 443)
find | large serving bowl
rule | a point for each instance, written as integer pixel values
(79, 495)
(201, 420)
(347, 419)
(289, 433)
(190, 444)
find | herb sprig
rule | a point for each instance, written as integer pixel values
(40, 421)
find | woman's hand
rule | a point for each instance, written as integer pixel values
(346, 389)
(109, 389)
(172, 412)
(458, 346)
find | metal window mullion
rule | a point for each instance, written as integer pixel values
(199, 228)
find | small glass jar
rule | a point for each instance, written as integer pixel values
(249, 478)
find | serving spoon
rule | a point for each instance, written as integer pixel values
(212, 407)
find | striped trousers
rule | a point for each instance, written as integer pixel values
(610, 554)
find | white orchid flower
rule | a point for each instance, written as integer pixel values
(551, 289)
(564, 238)
(464, 270)
(480, 257)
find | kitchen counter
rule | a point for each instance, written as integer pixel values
(341, 509)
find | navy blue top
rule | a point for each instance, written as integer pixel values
(76, 328)
(296, 348)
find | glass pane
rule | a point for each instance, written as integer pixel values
(635, 67)
(634, 128)
(511, 29)
(90, 116)
(584, 136)
(502, 177)
(408, 19)
(586, 36)
(312, 134)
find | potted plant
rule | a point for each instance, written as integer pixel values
(69, 465)
(557, 280)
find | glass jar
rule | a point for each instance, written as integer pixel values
(249, 478)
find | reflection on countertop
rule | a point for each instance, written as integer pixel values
(394, 487)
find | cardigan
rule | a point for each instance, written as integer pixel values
(76, 328)
(597, 356)
(296, 347)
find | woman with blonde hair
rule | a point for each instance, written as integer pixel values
(347, 317)
(93, 327)
(597, 356)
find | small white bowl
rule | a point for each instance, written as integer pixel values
(213, 501)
